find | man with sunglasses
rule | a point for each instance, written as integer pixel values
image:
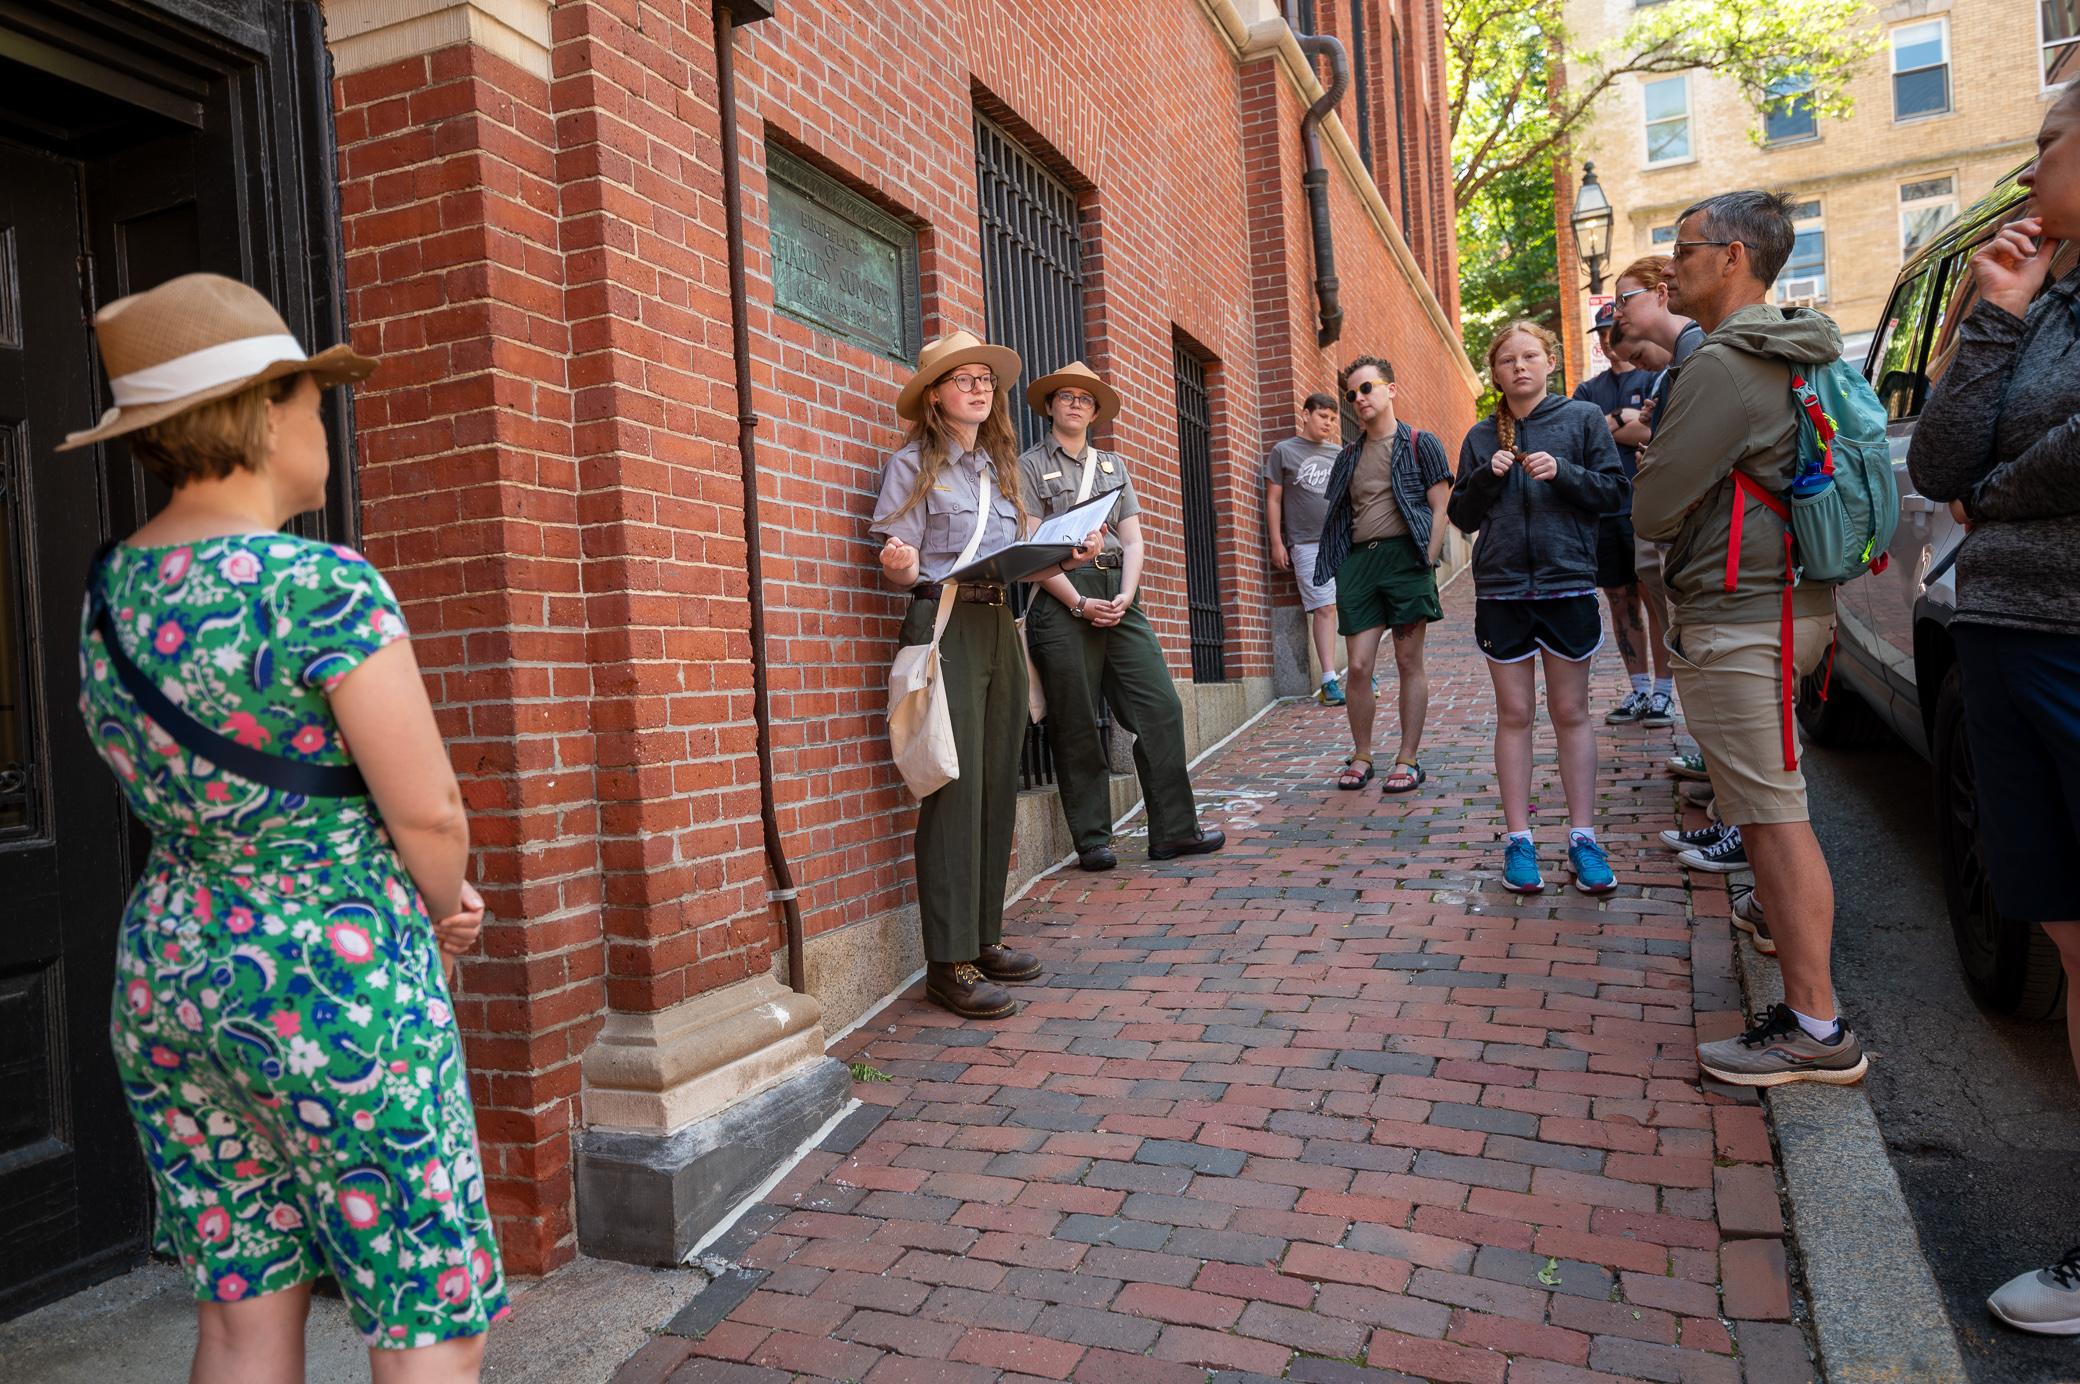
(1380, 544)
(1712, 485)
(1090, 641)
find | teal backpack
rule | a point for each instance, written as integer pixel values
(1844, 503)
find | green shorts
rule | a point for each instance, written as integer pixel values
(1385, 582)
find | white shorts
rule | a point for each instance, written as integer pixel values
(1312, 597)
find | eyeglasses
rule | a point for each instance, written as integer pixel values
(1676, 250)
(1072, 396)
(1630, 294)
(1365, 388)
(974, 384)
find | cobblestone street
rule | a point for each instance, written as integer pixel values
(1329, 1105)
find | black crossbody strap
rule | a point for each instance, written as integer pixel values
(273, 771)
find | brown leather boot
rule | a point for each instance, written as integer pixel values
(1006, 966)
(962, 988)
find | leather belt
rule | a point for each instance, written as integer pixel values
(1108, 560)
(971, 593)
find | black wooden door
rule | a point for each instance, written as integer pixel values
(137, 142)
(71, 1182)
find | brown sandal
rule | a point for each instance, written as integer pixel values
(1352, 785)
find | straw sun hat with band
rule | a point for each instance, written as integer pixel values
(941, 357)
(196, 339)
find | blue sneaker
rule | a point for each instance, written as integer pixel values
(1592, 868)
(1520, 867)
(1330, 693)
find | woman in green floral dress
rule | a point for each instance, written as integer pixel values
(282, 1025)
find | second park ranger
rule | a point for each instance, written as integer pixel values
(1088, 638)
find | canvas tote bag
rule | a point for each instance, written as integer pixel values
(920, 725)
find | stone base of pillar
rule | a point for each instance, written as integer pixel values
(688, 1109)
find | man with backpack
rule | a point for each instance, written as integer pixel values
(1715, 484)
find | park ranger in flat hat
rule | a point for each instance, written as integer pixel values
(1088, 637)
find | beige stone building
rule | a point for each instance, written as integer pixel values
(1949, 105)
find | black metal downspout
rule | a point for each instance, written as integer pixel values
(1316, 178)
(783, 891)
(1400, 131)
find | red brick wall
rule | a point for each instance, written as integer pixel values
(550, 475)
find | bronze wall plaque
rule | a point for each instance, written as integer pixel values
(841, 264)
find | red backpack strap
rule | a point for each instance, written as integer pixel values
(1745, 489)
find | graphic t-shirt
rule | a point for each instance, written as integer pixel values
(1302, 468)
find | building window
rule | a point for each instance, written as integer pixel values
(1660, 236)
(1803, 280)
(1925, 207)
(1202, 533)
(2058, 29)
(1788, 117)
(1668, 119)
(1921, 69)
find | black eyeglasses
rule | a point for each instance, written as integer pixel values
(1365, 388)
(1676, 250)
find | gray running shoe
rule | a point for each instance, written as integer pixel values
(1660, 711)
(2046, 1301)
(1776, 1050)
(1626, 712)
(1695, 794)
(1747, 916)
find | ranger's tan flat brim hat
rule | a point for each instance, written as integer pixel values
(1075, 375)
(942, 355)
(195, 339)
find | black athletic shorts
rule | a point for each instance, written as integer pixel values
(1570, 627)
(1614, 562)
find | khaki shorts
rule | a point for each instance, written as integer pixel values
(1646, 566)
(1730, 680)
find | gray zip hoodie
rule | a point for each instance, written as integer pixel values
(1730, 409)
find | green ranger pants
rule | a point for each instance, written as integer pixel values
(1077, 662)
(964, 831)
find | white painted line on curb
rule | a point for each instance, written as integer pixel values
(758, 1193)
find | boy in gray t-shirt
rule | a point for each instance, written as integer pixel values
(1296, 483)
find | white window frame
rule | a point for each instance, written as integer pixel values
(1923, 203)
(1816, 222)
(2045, 46)
(1688, 117)
(1893, 73)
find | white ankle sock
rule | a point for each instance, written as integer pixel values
(1640, 683)
(1664, 687)
(1520, 836)
(1819, 1030)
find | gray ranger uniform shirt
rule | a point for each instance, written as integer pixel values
(1052, 477)
(1301, 468)
(940, 527)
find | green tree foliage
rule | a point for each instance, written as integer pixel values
(1509, 124)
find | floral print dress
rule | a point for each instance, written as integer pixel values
(281, 1025)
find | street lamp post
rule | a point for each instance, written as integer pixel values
(1592, 226)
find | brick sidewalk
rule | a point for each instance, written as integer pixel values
(1330, 1105)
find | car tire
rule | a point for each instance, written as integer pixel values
(1840, 721)
(2011, 967)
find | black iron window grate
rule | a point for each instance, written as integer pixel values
(1202, 573)
(1032, 273)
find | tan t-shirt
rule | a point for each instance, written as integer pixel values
(1374, 514)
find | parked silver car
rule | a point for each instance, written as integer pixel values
(1895, 667)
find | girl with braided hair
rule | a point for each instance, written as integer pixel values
(1534, 478)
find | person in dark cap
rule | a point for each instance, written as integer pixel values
(1619, 392)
